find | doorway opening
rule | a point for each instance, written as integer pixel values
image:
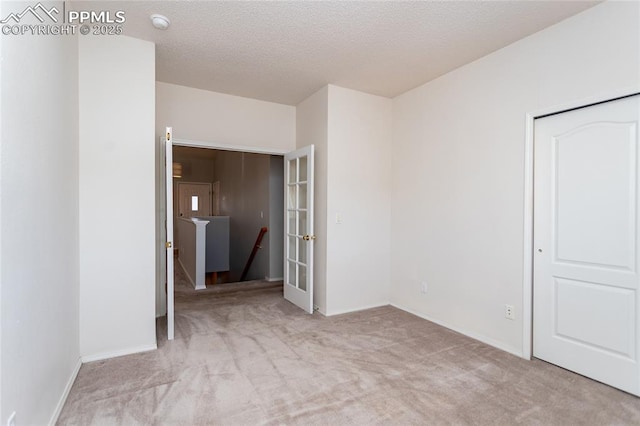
(247, 190)
(297, 185)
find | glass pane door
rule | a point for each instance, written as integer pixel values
(299, 228)
(297, 211)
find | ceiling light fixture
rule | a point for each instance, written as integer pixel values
(161, 22)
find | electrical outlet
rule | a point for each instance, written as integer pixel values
(423, 287)
(509, 312)
(11, 421)
(338, 218)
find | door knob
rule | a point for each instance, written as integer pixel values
(309, 237)
(539, 250)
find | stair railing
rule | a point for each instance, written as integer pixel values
(256, 247)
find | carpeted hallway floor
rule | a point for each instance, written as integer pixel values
(251, 358)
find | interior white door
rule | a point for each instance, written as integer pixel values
(586, 260)
(299, 237)
(169, 226)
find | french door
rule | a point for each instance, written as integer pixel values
(299, 237)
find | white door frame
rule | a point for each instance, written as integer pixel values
(231, 147)
(170, 263)
(527, 279)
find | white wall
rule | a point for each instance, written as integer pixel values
(311, 128)
(1, 156)
(359, 190)
(117, 238)
(458, 166)
(161, 231)
(351, 132)
(39, 264)
(201, 115)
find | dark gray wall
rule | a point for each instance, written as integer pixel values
(276, 217)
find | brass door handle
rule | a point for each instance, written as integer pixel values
(309, 237)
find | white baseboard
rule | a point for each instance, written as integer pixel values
(360, 308)
(65, 393)
(484, 339)
(122, 352)
(273, 279)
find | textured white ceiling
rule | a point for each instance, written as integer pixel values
(284, 51)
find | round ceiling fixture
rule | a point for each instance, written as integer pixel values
(161, 22)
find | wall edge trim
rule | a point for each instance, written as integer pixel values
(362, 308)
(475, 336)
(65, 393)
(229, 147)
(122, 352)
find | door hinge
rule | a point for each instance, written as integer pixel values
(168, 244)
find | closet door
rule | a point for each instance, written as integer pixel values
(586, 259)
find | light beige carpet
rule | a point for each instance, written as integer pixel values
(251, 358)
